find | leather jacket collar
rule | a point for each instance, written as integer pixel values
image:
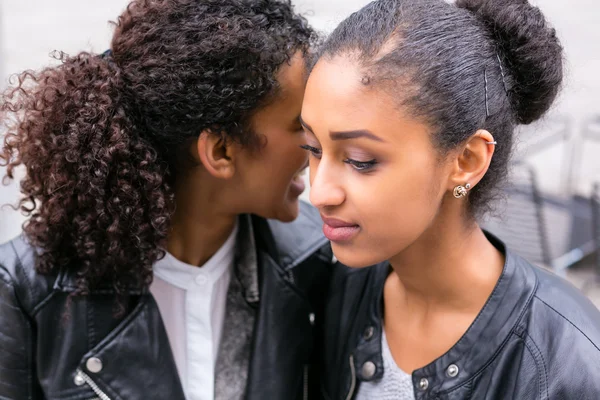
(507, 303)
(255, 234)
(94, 353)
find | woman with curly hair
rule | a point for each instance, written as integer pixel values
(410, 115)
(148, 268)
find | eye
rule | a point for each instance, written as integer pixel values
(361, 166)
(313, 150)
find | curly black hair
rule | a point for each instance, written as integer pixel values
(100, 136)
(474, 64)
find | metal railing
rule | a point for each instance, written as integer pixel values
(521, 223)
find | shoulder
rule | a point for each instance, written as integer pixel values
(565, 306)
(561, 331)
(18, 273)
(299, 240)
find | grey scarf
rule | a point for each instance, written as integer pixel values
(231, 372)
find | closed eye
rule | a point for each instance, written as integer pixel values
(313, 150)
(361, 166)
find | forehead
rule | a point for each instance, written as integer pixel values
(287, 99)
(337, 96)
(338, 99)
(338, 78)
(292, 77)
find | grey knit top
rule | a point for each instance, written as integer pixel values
(395, 384)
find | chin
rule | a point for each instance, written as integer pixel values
(287, 212)
(290, 213)
(287, 218)
(353, 257)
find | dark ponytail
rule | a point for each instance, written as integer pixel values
(95, 191)
(102, 136)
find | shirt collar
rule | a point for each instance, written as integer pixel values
(181, 274)
(245, 266)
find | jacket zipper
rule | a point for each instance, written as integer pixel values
(101, 395)
(311, 320)
(353, 375)
(305, 397)
(290, 276)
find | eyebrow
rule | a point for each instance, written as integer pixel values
(346, 135)
(360, 133)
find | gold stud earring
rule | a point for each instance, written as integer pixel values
(461, 191)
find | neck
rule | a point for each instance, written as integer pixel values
(202, 222)
(452, 265)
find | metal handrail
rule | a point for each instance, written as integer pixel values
(523, 226)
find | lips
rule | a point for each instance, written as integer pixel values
(337, 230)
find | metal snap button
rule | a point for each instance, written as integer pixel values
(79, 380)
(94, 365)
(452, 370)
(311, 318)
(368, 370)
(423, 384)
(368, 333)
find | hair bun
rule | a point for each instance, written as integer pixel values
(529, 49)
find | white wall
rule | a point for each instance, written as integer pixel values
(31, 29)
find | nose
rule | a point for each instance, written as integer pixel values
(325, 188)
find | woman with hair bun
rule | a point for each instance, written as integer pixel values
(410, 114)
(155, 263)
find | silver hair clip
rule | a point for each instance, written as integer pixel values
(501, 72)
(487, 107)
(487, 110)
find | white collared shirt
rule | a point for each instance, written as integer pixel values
(192, 303)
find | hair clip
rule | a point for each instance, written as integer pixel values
(502, 72)
(487, 110)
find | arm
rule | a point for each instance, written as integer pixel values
(16, 337)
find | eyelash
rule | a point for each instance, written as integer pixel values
(360, 166)
(313, 150)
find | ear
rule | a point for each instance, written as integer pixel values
(473, 161)
(216, 154)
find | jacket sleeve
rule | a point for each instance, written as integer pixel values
(16, 336)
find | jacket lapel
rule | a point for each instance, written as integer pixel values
(282, 337)
(135, 360)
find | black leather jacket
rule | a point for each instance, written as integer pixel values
(42, 347)
(537, 337)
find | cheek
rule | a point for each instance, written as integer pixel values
(312, 168)
(397, 207)
(296, 156)
(282, 161)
